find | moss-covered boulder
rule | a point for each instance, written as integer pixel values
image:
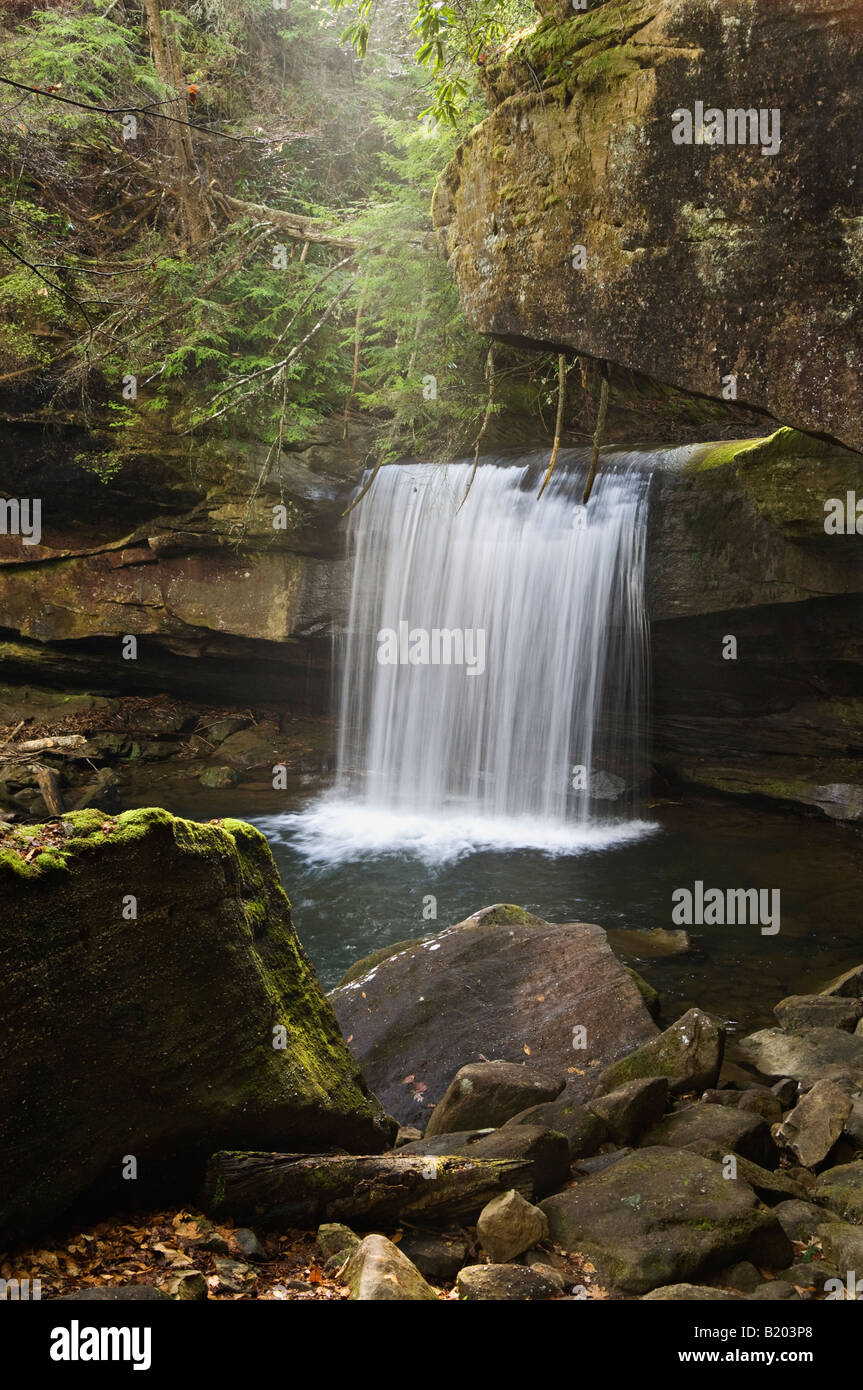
(660, 1217)
(156, 1005)
(689, 1054)
(841, 1190)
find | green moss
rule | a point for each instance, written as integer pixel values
(555, 51)
(783, 444)
(508, 915)
(647, 992)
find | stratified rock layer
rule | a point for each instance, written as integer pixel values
(703, 261)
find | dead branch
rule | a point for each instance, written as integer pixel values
(558, 424)
(597, 434)
(291, 223)
(489, 376)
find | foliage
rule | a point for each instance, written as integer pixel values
(451, 36)
(98, 283)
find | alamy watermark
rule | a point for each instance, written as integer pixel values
(697, 906)
(20, 1290)
(21, 517)
(438, 646)
(733, 126)
(844, 515)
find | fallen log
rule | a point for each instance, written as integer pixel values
(46, 745)
(63, 745)
(292, 224)
(280, 1191)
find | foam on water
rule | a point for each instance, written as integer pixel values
(336, 829)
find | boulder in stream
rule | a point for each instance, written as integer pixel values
(502, 984)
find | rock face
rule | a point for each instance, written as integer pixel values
(737, 545)
(498, 984)
(147, 965)
(186, 558)
(702, 259)
(572, 218)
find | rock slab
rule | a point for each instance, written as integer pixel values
(501, 984)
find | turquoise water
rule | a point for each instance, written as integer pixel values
(346, 907)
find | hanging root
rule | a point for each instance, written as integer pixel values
(558, 424)
(597, 433)
(489, 376)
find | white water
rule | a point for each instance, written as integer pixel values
(438, 762)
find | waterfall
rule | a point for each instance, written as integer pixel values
(494, 672)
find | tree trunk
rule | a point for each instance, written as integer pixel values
(280, 1191)
(167, 60)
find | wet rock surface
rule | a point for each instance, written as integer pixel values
(536, 980)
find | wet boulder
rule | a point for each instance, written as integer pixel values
(502, 984)
(158, 1005)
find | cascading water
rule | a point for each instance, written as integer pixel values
(494, 673)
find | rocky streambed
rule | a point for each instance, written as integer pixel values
(536, 1132)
